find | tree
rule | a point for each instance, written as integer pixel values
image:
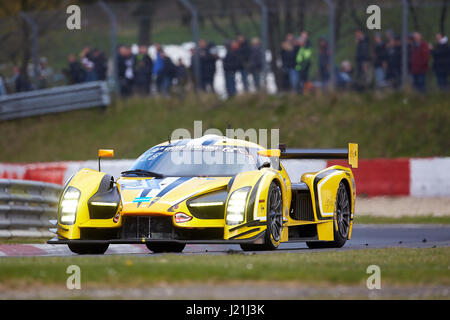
(443, 16)
(18, 48)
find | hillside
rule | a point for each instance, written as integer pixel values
(388, 125)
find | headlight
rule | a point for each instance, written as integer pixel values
(208, 206)
(69, 205)
(236, 206)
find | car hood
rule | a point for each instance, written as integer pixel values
(157, 195)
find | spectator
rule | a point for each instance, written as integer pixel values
(390, 36)
(344, 75)
(362, 59)
(21, 80)
(125, 66)
(75, 71)
(244, 55)
(181, 76)
(144, 67)
(255, 63)
(158, 65)
(167, 74)
(208, 57)
(420, 56)
(394, 61)
(88, 65)
(2, 87)
(380, 61)
(304, 35)
(100, 63)
(45, 73)
(303, 63)
(288, 56)
(90, 73)
(441, 60)
(231, 64)
(324, 61)
(290, 38)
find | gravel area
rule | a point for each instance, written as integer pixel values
(403, 206)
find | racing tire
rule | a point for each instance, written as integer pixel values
(160, 247)
(85, 248)
(341, 222)
(272, 237)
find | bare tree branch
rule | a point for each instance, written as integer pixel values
(248, 12)
(217, 27)
(443, 16)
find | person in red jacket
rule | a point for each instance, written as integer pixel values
(420, 56)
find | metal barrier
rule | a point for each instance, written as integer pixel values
(26, 208)
(53, 100)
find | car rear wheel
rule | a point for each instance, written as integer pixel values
(85, 248)
(159, 247)
(341, 222)
(274, 221)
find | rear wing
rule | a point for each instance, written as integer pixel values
(351, 154)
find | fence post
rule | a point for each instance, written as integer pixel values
(404, 44)
(113, 43)
(332, 33)
(264, 38)
(34, 44)
(195, 35)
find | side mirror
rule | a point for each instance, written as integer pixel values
(264, 165)
(104, 153)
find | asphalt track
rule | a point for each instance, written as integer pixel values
(364, 236)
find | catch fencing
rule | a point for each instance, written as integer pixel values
(26, 208)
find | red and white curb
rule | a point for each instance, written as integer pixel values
(421, 177)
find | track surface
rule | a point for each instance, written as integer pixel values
(364, 236)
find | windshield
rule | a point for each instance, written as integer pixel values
(198, 160)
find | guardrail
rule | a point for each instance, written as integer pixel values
(54, 100)
(26, 208)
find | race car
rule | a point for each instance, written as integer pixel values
(209, 190)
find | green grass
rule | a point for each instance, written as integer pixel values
(398, 267)
(23, 240)
(387, 125)
(423, 219)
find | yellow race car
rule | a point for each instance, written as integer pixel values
(209, 190)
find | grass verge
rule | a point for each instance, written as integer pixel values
(399, 266)
(384, 125)
(424, 219)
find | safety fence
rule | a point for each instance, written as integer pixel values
(26, 208)
(54, 100)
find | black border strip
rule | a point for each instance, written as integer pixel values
(245, 233)
(145, 240)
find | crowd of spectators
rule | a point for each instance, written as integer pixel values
(377, 64)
